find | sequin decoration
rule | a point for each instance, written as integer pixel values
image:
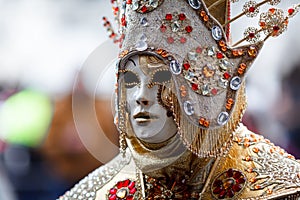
(207, 70)
(228, 184)
(144, 6)
(123, 190)
(176, 27)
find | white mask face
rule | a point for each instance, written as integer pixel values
(148, 118)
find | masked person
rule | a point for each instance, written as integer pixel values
(180, 100)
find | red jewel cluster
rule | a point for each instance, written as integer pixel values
(123, 190)
(228, 184)
(179, 19)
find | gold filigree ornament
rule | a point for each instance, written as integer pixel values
(208, 73)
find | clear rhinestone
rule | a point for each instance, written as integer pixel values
(175, 26)
(190, 75)
(223, 118)
(135, 5)
(225, 64)
(235, 83)
(192, 55)
(195, 4)
(216, 32)
(141, 45)
(153, 3)
(205, 89)
(175, 67)
(211, 51)
(144, 21)
(223, 83)
(188, 108)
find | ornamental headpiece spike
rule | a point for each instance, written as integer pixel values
(192, 38)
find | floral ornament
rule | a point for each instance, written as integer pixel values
(273, 22)
(228, 184)
(251, 9)
(207, 70)
(252, 35)
(123, 190)
(176, 27)
(144, 6)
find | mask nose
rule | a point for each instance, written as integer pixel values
(143, 97)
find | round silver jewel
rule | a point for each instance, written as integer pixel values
(175, 67)
(195, 4)
(235, 83)
(188, 108)
(216, 32)
(223, 118)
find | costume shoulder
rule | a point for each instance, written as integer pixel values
(254, 169)
(98, 183)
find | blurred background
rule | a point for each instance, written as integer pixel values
(56, 94)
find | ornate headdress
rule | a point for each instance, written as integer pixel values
(192, 38)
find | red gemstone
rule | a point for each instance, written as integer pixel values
(129, 1)
(252, 9)
(119, 184)
(182, 40)
(169, 16)
(236, 188)
(129, 197)
(291, 11)
(220, 55)
(194, 86)
(217, 190)
(163, 28)
(144, 9)
(170, 40)
(132, 191)
(113, 191)
(126, 183)
(123, 21)
(186, 66)
(276, 28)
(237, 175)
(240, 180)
(131, 185)
(198, 50)
(188, 29)
(181, 16)
(222, 194)
(229, 173)
(218, 183)
(112, 35)
(230, 193)
(251, 35)
(214, 91)
(272, 10)
(112, 197)
(226, 75)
